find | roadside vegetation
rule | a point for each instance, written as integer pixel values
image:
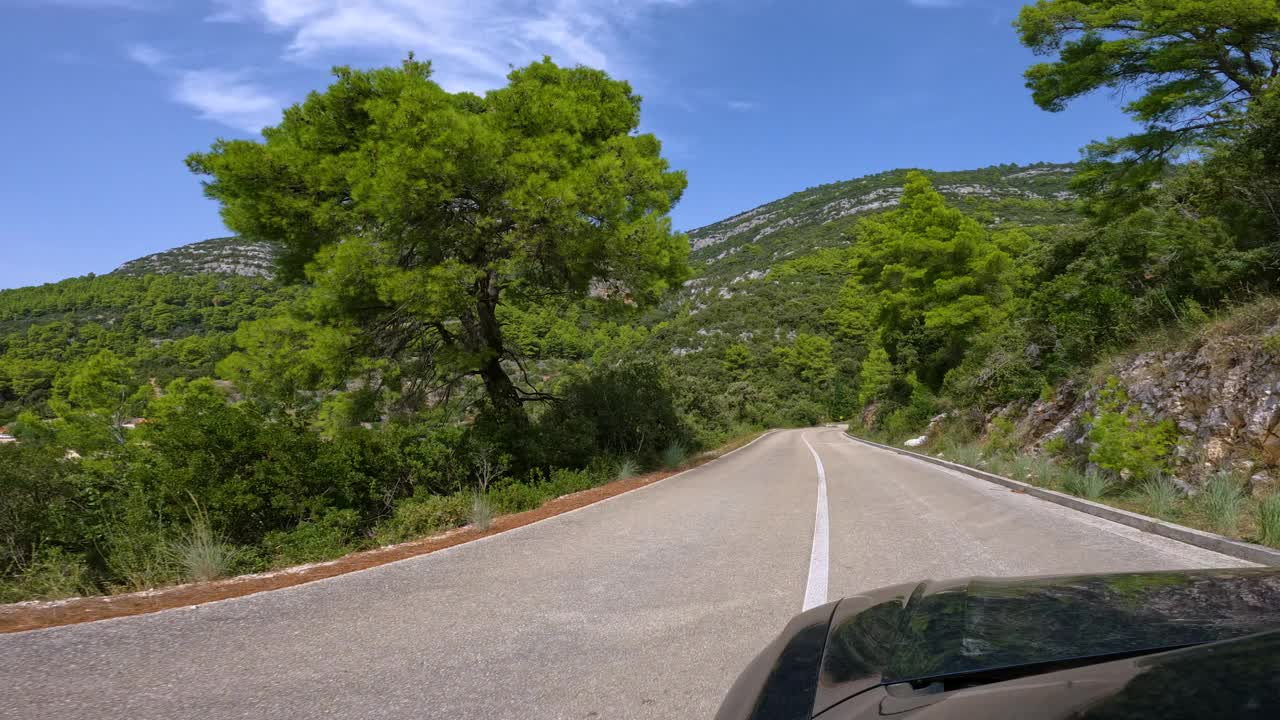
(445, 342)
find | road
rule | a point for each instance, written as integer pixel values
(643, 606)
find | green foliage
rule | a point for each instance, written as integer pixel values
(333, 534)
(564, 481)
(911, 419)
(1269, 520)
(1271, 343)
(1198, 66)
(875, 377)
(627, 468)
(622, 410)
(673, 456)
(925, 278)
(1091, 485)
(201, 554)
(1158, 496)
(1125, 442)
(418, 213)
(52, 574)
(1222, 500)
(423, 515)
(480, 514)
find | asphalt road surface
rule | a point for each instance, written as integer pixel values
(643, 606)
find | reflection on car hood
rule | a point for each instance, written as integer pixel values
(932, 630)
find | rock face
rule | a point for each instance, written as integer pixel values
(1222, 393)
(221, 256)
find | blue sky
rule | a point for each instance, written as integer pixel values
(754, 98)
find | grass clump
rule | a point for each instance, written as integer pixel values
(627, 468)
(201, 554)
(1090, 485)
(481, 514)
(1223, 502)
(673, 456)
(1158, 496)
(1269, 520)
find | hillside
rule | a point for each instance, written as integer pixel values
(218, 256)
(761, 275)
(174, 311)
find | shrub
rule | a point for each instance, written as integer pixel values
(567, 482)
(517, 497)
(673, 456)
(331, 535)
(1223, 501)
(1003, 435)
(52, 575)
(481, 514)
(1124, 441)
(1269, 520)
(628, 409)
(422, 515)
(1159, 496)
(202, 555)
(1090, 485)
(1056, 445)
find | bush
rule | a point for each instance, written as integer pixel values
(567, 482)
(331, 535)
(1222, 501)
(1269, 520)
(52, 575)
(422, 515)
(517, 497)
(1123, 441)
(624, 410)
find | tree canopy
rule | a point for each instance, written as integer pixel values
(924, 278)
(417, 213)
(1196, 65)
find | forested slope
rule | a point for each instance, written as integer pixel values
(440, 341)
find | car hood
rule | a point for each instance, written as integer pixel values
(923, 632)
(930, 631)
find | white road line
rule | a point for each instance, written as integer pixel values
(815, 593)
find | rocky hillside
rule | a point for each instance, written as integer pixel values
(1219, 384)
(219, 256)
(743, 286)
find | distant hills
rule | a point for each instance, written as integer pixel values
(219, 256)
(1033, 194)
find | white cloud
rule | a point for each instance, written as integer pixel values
(742, 105)
(147, 55)
(228, 98)
(472, 42)
(219, 95)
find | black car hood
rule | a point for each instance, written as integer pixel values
(928, 631)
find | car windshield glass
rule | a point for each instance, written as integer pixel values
(991, 624)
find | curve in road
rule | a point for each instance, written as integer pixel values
(645, 606)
